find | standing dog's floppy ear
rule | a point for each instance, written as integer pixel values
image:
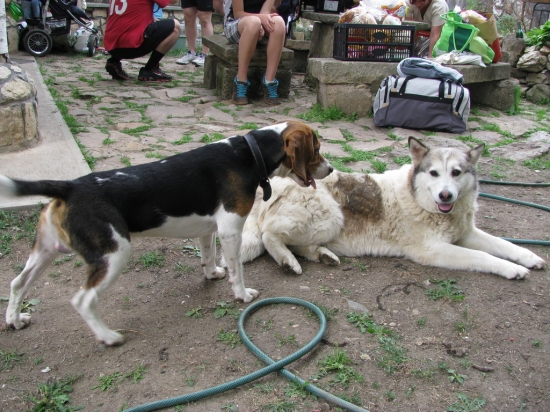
(300, 151)
(417, 150)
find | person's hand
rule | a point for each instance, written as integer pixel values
(261, 33)
(267, 21)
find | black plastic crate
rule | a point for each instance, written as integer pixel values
(373, 42)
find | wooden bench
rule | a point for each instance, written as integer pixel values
(352, 85)
(220, 68)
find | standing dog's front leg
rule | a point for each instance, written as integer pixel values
(208, 257)
(230, 233)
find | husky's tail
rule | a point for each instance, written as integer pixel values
(50, 188)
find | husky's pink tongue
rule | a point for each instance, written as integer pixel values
(312, 182)
(445, 207)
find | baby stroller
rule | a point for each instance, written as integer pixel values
(37, 36)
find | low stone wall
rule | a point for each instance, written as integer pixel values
(531, 66)
(351, 86)
(18, 109)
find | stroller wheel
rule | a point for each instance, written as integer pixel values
(93, 42)
(37, 42)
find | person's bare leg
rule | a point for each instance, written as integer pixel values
(205, 18)
(249, 27)
(166, 45)
(275, 48)
(190, 19)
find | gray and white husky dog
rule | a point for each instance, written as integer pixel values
(424, 211)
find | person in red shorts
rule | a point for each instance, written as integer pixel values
(131, 32)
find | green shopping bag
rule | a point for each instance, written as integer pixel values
(459, 36)
(15, 10)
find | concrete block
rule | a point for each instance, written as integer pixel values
(496, 94)
(350, 98)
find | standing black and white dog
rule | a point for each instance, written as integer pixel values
(189, 195)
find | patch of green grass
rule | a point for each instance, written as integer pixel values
(421, 322)
(454, 376)
(125, 161)
(150, 259)
(184, 99)
(379, 166)
(107, 141)
(231, 338)
(211, 138)
(29, 306)
(465, 404)
(390, 396)
(8, 360)
(265, 387)
(319, 114)
(338, 163)
(403, 160)
(328, 312)
(155, 155)
(464, 325)
(365, 323)
(446, 289)
(224, 308)
(355, 398)
(297, 390)
(280, 406)
(536, 343)
(136, 375)
(136, 131)
(537, 164)
(63, 259)
(347, 135)
(285, 340)
(394, 137)
(182, 268)
(53, 396)
(248, 126)
(15, 226)
(337, 364)
(185, 139)
(264, 324)
(194, 313)
(109, 382)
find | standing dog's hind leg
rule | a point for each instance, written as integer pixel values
(40, 258)
(101, 274)
(208, 257)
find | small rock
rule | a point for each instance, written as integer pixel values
(507, 324)
(46, 370)
(304, 288)
(357, 306)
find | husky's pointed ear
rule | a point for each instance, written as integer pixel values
(417, 150)
(476, 153)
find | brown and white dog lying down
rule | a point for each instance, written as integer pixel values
(189, 195)
(424, 212)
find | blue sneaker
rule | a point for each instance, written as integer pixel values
(270, 92)
(239, 91)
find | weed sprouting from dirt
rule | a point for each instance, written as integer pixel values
(465, 404)
(53, 396)
(337, 364)
(9, 359)
(194, 313)
(446, 289)
(231, 338)
(150, 259)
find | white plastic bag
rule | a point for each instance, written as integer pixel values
(455, 57)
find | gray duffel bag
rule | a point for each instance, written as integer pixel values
(418, 103)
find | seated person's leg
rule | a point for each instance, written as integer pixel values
(36, 6)
(275, 44)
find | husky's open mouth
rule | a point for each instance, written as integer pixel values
(445, 207)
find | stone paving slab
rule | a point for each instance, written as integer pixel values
(104, 108)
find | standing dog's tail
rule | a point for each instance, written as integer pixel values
(50, 188)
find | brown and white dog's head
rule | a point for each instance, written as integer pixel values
(303, 158)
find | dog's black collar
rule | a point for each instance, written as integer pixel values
(264, 180)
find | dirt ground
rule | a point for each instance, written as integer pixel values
(488, 351)
(495, 340)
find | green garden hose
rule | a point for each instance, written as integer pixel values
(519, 202)
(272, 367)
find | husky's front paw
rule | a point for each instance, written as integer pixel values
(512, 271)
(327, 257)
(219, 273)
(248, 296)
(532, 262)
(292, 264)
(111, 338)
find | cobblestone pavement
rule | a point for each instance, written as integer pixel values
(121, 123)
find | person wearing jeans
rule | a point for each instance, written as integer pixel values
(249, 22)
(192, 8)
(31, 9)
